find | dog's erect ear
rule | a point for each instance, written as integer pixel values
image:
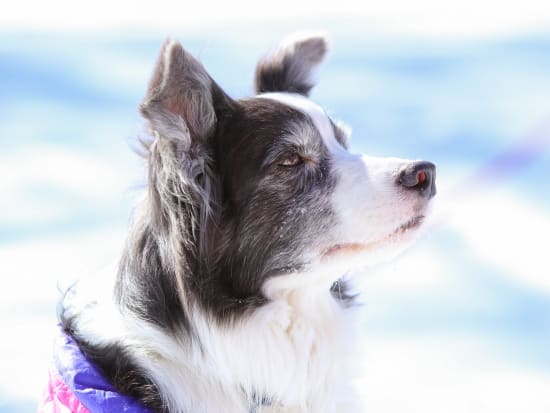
(181, 96)
(291, 67)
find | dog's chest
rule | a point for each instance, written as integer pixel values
(302, 356)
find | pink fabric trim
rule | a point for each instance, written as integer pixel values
(58, 398)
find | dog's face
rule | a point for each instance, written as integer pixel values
(281, 196)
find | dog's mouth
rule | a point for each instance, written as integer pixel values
(394, 236)
(414, 222)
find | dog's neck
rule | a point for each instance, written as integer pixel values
(288, 351)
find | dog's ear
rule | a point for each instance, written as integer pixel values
(182, 105)
(290, 68)
(181, 98)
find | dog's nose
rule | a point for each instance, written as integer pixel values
(418, 176)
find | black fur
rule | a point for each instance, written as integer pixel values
(275, 79)
(262, 228)
(148, 288)
(289, 68)
(261, 223)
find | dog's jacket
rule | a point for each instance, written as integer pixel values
(76, 385)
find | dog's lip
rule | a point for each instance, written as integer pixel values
(351, 247)
(414, 222)
(348, 247)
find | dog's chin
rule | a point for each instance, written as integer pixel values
(368, 253)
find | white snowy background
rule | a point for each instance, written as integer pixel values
(461, 323)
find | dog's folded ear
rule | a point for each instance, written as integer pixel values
(291, 67)
(180, 97)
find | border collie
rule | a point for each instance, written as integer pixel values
(232, 293)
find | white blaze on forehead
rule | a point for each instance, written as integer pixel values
(314, 112)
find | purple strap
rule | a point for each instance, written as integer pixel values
(86, 381)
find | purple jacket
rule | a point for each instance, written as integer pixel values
(76, 385)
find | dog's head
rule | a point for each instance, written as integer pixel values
(264, 189)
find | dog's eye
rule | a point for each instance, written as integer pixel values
(292, 159)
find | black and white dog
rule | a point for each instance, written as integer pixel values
(229, 295)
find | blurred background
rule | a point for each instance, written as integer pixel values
(461, 323)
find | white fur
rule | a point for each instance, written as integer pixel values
(291, 350)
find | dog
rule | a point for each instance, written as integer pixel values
(233, 291)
